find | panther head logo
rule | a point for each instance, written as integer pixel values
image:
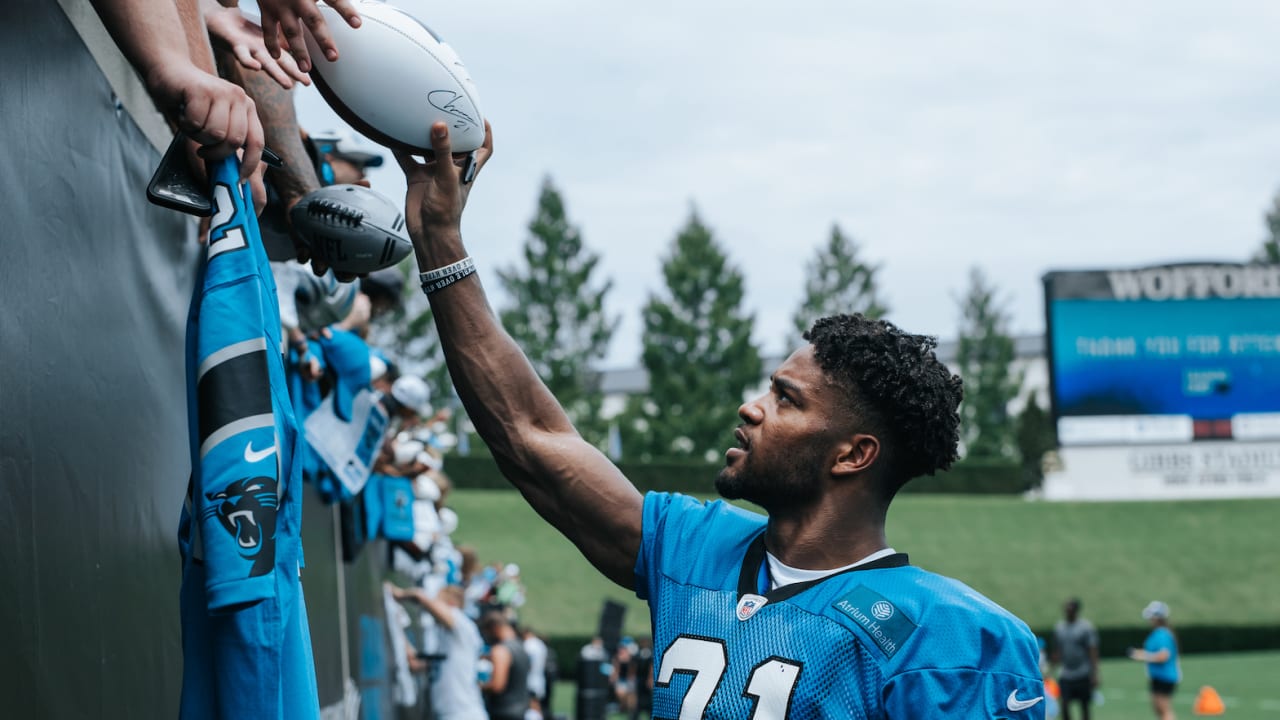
(247, 512)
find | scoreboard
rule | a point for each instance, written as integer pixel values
(1165, 354)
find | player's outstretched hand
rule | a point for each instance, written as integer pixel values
(286, 18)
(230, 30)
(215, 113)
(438, 191)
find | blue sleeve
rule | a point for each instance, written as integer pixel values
(685, 538)
(963, 694)
(652, 527)
(242, 440)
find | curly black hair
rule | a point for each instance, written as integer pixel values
(896, 384)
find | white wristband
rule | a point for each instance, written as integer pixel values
(444, 277)
(465, 263)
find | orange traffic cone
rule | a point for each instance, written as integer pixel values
(1208, 702)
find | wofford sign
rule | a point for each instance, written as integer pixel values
(1192, 281)
(1182, 282)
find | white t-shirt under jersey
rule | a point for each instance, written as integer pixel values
(782, 575)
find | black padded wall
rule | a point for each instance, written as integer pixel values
(94, 288)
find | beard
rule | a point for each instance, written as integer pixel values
(772, 485)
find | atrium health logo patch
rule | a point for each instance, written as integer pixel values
(886, 626)
(882, 610)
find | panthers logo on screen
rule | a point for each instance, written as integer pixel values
(248, 513)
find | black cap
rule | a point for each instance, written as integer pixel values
(387, 282)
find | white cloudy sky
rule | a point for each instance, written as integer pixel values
(1019, 136)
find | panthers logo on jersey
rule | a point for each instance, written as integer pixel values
(247, 511)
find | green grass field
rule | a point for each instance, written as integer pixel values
(1246, 682)
(1213, 562)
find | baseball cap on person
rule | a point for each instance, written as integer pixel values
(341, 146)
(1155, 609)
(413, 393)
(386, 283)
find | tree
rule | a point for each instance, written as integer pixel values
(556, 312)
(838, 281)
(1035, 436)
(698, 352)
(985, 358)
(1270, 250)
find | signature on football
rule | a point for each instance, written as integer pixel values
(446, 101)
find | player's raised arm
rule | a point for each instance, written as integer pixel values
(566, 480)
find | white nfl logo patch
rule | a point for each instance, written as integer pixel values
(748, 605)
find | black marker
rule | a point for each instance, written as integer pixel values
(271, 159)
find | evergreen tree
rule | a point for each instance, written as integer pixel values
(985, 358)
(1035, 436)
(1270, 250)
(698, 352)
(838, 281)
(556, 313)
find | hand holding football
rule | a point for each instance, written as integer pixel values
(351, 228)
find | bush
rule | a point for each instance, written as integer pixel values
(1113, 642)
(973, 477)
(479, 472)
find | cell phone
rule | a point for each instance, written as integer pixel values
(175, 186)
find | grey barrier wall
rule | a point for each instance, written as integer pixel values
(95, 283)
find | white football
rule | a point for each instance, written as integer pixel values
(352, 229)
(394, 78)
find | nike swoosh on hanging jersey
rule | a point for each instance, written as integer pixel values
(253, 456)
(1016, 705)
(233, 391)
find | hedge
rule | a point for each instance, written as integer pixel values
(477, 471)
(1113, 642)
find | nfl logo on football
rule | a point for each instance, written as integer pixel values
(748, 606)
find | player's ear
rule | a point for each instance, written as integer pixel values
(856, 455)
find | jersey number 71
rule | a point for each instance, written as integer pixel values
(771, 683)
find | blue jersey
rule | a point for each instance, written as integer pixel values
(245, 639)
(882, 640)
(1168, 671)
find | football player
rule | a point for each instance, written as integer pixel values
(803, 613)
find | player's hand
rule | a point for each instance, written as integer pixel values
(232, 31)
(211, 111)
(436, 194)
(286, 18)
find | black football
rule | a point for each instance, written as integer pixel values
(351, 228)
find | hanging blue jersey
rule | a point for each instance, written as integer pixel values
(1162, 638)
(245, 639)
(881, 640)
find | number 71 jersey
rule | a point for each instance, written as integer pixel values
(882, 640)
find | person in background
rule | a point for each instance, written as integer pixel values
(622, 676)
(506, 692)
(338, 161)
(643, 661)
(536, 649)
(1160, 653)
(1075, 653)
(455, 694)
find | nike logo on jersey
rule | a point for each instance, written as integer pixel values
(1016, 705)
(253, 456)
